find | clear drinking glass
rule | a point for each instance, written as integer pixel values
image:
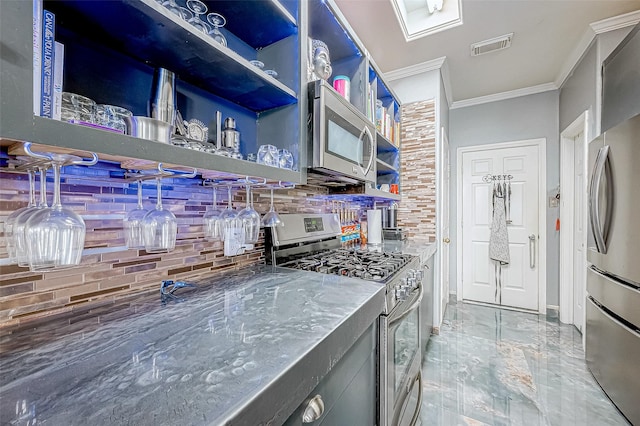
(213, 224)
(250, 220)
(160, 227)
(271, 218)
(177, 10)
(285, 159)
(55, 235)
(268, 155)
(217, 21)
(19, 236)
(229, 217)
(11, 219)
(198, 8)
(134, 225)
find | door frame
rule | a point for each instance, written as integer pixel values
(567, 209)
(541, 143)
(440, 295)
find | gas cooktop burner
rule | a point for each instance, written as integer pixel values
(372, 266)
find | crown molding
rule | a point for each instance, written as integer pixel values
(416, 69)
(446, 81)
(532, 90)
(616, 22)
(595, 28)
(575, 56)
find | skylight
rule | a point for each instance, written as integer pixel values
(420, 18)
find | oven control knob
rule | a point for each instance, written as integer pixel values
(411, 283)
(399, 293)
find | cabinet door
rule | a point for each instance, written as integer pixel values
(348, 391)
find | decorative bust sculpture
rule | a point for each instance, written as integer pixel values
(319, 61)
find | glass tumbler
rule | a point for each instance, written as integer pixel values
(78, 107)
(285, 159)
(268, 155)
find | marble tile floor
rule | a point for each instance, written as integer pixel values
(493, 366)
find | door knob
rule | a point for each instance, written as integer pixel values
(446, 240)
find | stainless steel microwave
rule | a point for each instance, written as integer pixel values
(343, 139)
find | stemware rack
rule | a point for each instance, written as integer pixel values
(161, 173)
(33, 159)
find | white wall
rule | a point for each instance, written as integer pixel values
(416, 88)
(525, 117)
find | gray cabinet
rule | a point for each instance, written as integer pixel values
(368, 91)
(348, 391)
(111, 51)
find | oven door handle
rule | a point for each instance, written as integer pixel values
(396, 317)
(416, 413)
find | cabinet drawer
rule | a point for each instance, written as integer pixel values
(348, 391)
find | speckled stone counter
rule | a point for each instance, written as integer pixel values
(240, 349)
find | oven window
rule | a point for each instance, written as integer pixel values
(343, 143)
(406, 345)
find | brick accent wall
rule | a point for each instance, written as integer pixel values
(109, 271)
(417, 212)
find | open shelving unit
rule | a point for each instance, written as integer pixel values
(112, 49)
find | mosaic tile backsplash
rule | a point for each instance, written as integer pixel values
(417, 212)
(108, 270)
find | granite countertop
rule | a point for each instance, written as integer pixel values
(244, 348)
(416, 248)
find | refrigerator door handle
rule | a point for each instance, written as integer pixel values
(603, 165)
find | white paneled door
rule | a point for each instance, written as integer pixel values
(520, 278)
(579, 232)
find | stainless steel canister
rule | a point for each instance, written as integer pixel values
(163, 99)
(392, 221)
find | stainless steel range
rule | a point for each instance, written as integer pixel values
(311, 242)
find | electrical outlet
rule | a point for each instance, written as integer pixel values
(233, 241)
(553, 202)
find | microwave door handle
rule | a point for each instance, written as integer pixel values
(365, 131)
(594, 200)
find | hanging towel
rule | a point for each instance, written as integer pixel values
(499, 239)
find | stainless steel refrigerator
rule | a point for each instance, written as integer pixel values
(613, 278)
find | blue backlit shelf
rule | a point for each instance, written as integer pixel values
(150, 33)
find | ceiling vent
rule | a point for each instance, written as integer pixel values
(491, 45)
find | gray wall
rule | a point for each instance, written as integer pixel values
(579, 92)
(525, 117)
(443, 106)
